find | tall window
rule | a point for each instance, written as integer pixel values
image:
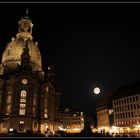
(23, 94)
(21, 111)
(124, 100)
(132, 114)
(45, 108)
(134, 106)
(34, 104)
(127, 100)
(8, 99)
(22, 106)
(131, 106)
(136, 98)
(8, 102)
(45, 113)
(8, 109)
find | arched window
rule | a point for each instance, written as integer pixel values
(23, 94)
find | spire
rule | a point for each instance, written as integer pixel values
(25, 27)
(27, 12)
(25, 57)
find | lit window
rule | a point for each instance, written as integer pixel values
(23, 100)
(22, 112)
(8, 99)
(110, 111)
(21, 122)
(47, 89)
(22, 105)
(23, 94)
(8, 109)
(45, 115)
(11, 129)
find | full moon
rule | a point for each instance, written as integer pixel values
(96, 90)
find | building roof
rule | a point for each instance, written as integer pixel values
(127, 90)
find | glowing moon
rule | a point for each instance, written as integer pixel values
(96, 90)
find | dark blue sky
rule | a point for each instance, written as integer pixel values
(89, 44)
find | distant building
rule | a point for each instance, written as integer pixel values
(28, 97)
(126, 105)
(104, 113)
(120, 112)
(72, 121)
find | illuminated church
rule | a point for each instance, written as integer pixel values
(28, 97)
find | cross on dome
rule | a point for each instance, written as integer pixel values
(27, 12)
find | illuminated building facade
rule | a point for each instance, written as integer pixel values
(71, 121)
(104, 114)
(28, 98)
(126, 105)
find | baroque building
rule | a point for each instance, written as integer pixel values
(28, 97)
(72, 121)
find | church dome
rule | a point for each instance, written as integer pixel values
(11, 57)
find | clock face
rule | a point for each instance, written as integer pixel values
(24, 81)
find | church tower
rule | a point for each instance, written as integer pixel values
(28, 99)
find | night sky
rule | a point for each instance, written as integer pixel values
(89, 44)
